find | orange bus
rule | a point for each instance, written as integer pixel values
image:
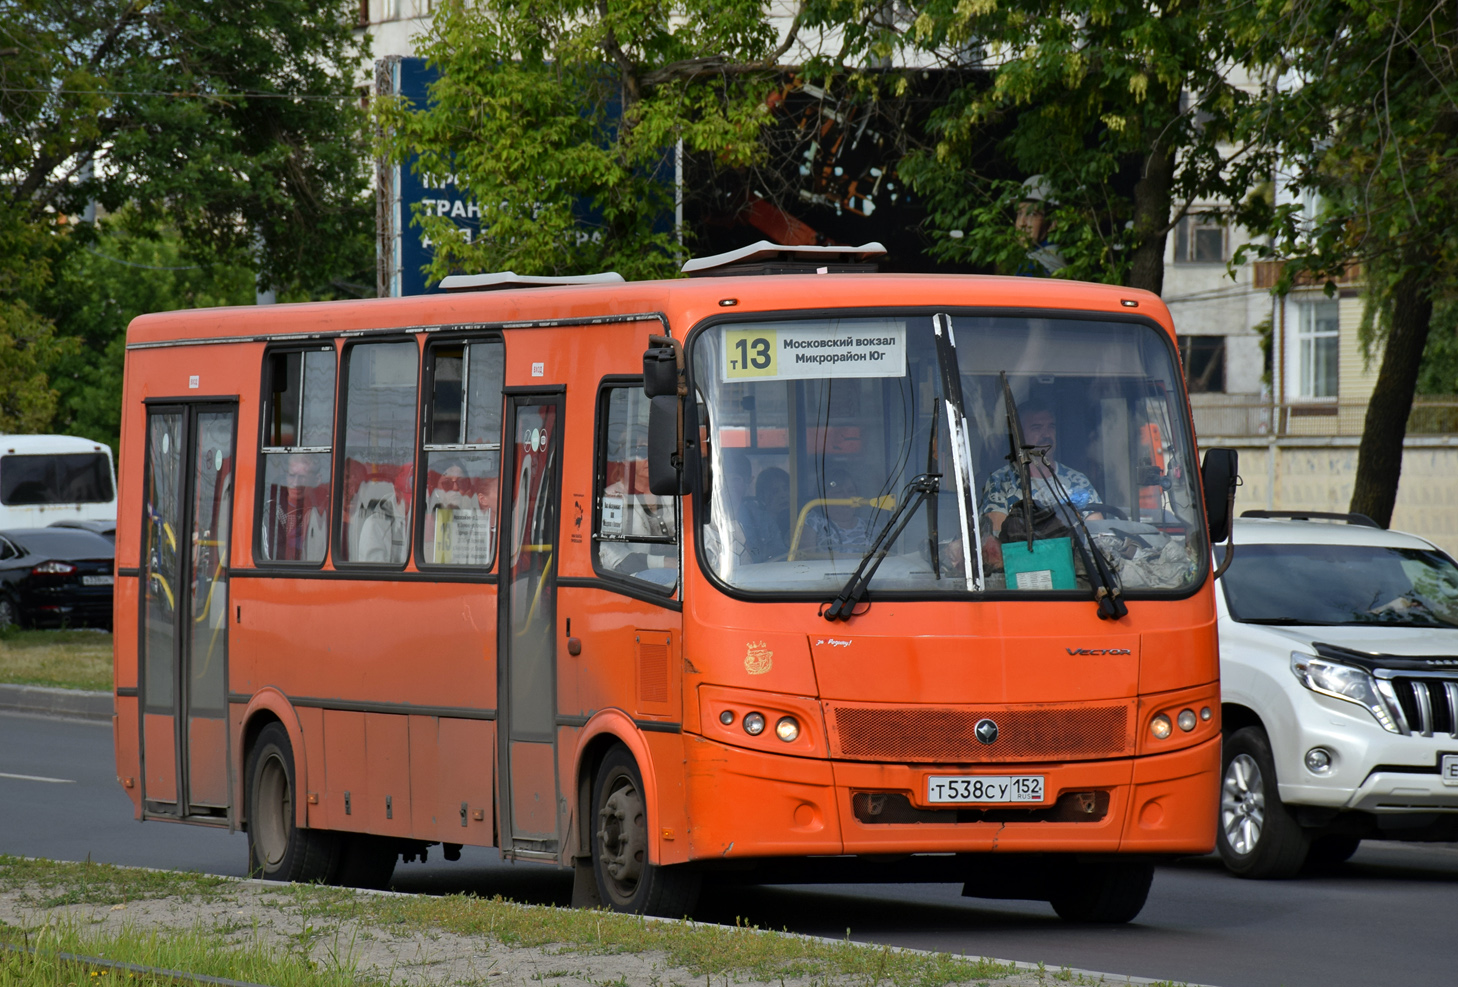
(803, 573)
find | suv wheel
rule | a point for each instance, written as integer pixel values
(1257, 836)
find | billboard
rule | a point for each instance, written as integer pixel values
(403, 249)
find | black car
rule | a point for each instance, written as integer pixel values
(107, 528)
(55, 577)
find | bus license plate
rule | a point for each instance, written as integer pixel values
(984, 788)
(1448, 770)
(98, 580)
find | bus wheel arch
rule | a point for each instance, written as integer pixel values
(269, 706)
(608, 729)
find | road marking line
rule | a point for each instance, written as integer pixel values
(53, 781)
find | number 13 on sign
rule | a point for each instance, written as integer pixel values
(750, 353)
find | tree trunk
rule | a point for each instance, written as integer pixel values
(1379, 459)
(1151, 220)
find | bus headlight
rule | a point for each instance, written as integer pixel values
(1347, 683)
(753, 724)
(787, 729)
(1161, 727)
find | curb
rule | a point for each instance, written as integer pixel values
(76, 704)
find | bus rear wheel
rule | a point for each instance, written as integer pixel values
(278, 849)
(626, 879)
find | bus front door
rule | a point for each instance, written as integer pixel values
(186, 527)
(527, 625)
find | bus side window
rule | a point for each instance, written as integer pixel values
(635, 533)
(298, 442)
(378, 475)
(462, 452)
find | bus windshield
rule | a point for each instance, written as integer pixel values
(818, 430)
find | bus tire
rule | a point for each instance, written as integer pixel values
(365, 861)
(626, 880)
(278, 849)
(1257, 836)
(1106, 891)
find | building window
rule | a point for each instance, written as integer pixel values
(462, 452)
(635, 532)
(379, 452)
(1317, 323)
(1199, 240)
(1204, 361)
(298, 441)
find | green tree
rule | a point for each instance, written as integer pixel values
(1126, 112)
(236, 125)
(97, 292)
(560, 119)
(1369, 112)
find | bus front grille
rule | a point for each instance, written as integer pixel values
(948, 734)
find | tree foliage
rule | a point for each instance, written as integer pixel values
(1369, 110)
(237, 126)
(561, 118)
(1127, 113)
(98, 291)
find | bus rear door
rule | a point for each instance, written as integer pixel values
(187, 514)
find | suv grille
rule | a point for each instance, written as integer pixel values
(1429, 705)
(943, 734)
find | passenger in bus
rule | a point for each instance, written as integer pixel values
(299, 529)
(765, 517)
(1003, 492)
(837, 524)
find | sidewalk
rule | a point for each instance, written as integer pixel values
(75, 704)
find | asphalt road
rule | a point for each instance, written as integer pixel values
(1384, 918)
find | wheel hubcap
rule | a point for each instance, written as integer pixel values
(622, 837)
(1243, 804)
(275, 805)
(7, 613)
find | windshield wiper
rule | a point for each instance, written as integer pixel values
(1107, 590)
(918, 490)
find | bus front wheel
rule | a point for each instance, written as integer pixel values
(277, 848)
(627, 881)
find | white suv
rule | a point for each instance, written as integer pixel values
(1339, 678)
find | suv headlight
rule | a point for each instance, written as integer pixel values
(1346, 682)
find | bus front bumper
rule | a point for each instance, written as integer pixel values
(744, 803)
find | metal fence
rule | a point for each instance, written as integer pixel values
(1234, 416)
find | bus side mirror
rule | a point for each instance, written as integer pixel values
(660, 372)
(1219, 475)
(665, 453)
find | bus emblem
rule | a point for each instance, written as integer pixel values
(758, 658)
(986, 731)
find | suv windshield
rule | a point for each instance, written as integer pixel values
(817, 430)
(1341, 584)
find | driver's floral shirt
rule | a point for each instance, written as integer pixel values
(1002, 490)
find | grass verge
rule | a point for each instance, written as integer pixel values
(187, 951)
(63, 659)
(706, 951)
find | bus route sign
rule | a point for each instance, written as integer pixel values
(789, 352)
